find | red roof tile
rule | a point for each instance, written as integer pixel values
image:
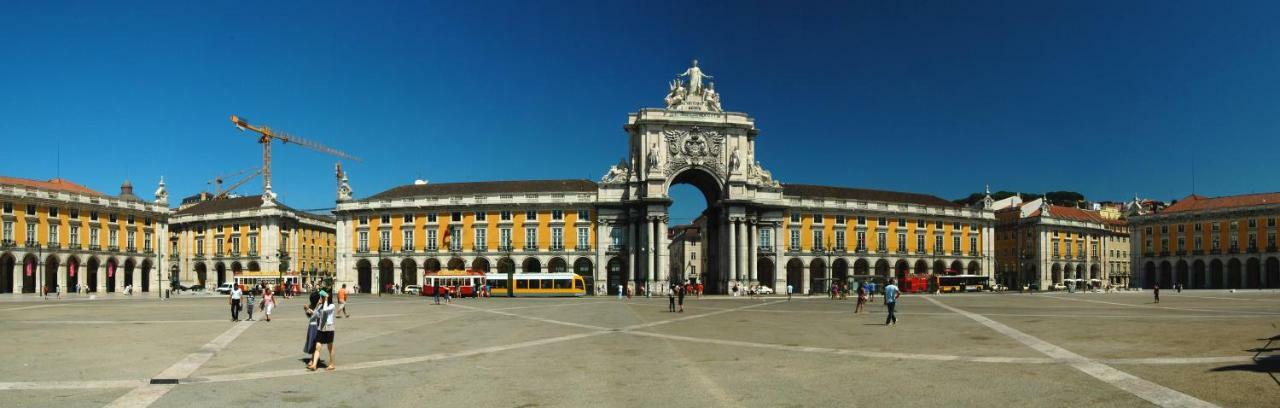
(1073, 213)
(56, 184)
(1200, 203)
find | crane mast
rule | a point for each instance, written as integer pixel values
(265, 137)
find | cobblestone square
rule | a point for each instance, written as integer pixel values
(1058, 349)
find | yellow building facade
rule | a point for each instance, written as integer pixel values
(64, 237)
(1214, 243)
(392, 238)
(218, 240)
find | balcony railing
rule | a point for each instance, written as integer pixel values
(557, 248)
(481, 248)
(1253, 249)
(615, 249)
(1197, 252)
(1215, 252)
(530, 248)
(765, 249)
(147, 251)
(8, 243)
(506, 248)
(1233, 250)
(406, 249)
(31, 243)
(253, 253)
(53, 245)
(1180, 252)
(1271, 248)
(582, 248)
(362, 250)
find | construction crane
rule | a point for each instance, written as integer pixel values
(222, 193)
(217, 181)
(265, 136)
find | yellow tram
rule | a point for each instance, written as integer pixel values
(537, 284)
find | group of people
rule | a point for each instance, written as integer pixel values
(675, 296)
(240, 299)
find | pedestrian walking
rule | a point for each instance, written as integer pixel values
(249, 304)
(435, 294)
(342, 301)
(891, 294)
(621, 292)
(268, 303)
(235, 302)
(671, 300)
(325, 334)
(862, 299)
(680, 298)
(1155, 290)
(789, 289)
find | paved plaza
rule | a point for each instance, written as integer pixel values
(959, 350)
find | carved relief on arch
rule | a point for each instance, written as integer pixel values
(694, 147)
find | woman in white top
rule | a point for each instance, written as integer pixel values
(325, 335)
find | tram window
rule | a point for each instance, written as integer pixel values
(577, 284)
(522, 284)
(563, 284)
(498, 284)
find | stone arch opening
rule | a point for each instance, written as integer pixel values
(1166, 274)
(1234, 274)
(386, 274)
(364, 276)
(1197, 275)
(1253, 273)
(457, 264)
(557, 265)
(531, 265)
(112, 271)
(795, 274)
(818, 276)
(408, 272)
(50, 275)
(616, 271)
(91, 274)
(974, 268)
(764, 272)
(1181, 273)
(1216, 274)
(1273, 272)
(480, 265)
(584, 268)
(431, 265)
(712, 226)
(202, 275)
(70, 274)
(840, 271)
(144, 272)
(220, 269)
(882, 268)
(1149, 275)
(8, 265)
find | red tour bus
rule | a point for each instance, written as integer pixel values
(914, 283)
(465, 280)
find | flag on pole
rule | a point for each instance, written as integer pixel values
(111, 270)
(30, 266)
(71, 268)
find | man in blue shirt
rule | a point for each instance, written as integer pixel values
(891, 294)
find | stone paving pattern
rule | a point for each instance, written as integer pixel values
(1194, 347)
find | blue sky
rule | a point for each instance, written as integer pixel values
(1105, 98)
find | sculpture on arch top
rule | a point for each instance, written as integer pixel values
(694, 96)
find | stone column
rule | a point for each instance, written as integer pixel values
(650, 225)
(101, 273)
(633, 256)
(60, 276)
(779, 268)
(664, 257)
(752, 247)
(741, 250)
(804, 278)
(733, 249)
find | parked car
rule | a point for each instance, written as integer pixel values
(1057, 286)
(999, 288)
(413, 289)
(764, 290)
(225, 288)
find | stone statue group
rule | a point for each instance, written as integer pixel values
(693, 96)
